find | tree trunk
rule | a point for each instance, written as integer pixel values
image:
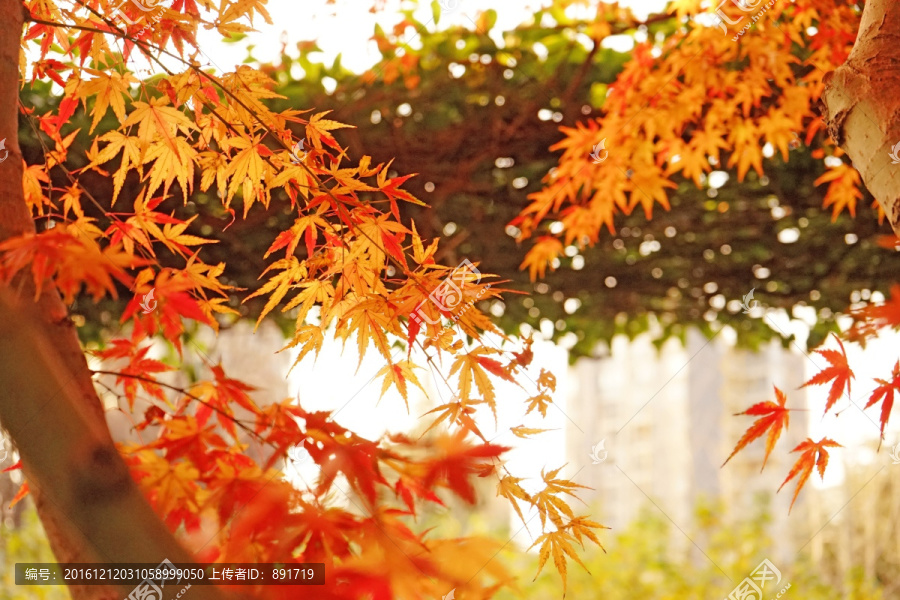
(861, 101)
(90, 507)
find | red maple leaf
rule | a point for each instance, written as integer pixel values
(772, 417)
(814, 455)
(458, 462)
(839, 371)
(884, 393)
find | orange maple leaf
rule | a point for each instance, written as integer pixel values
(772, 417)
(814, 455)
(541, 255)
(839, 371)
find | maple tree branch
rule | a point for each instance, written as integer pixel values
(183, 391)
(32, 19)
(329, 192)
(113, 217)
(582, 72)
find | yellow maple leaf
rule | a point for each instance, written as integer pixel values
(523, 432)
(558, 544)
(398, 374)
(292, 272)
(471, 370)
(110, 89)
(510, 489)
(542, 254)
(158, 119)
(311, 337)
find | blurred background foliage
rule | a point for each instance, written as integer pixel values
(475, 120)
(22, 539)
(651, 558)
(643, 562)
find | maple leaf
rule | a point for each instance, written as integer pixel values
(884, 393)
(524, 358)
(457, 462)
(547, 501)
(542, 254)
(110, 90)
(472, 369)
(292, 272)
(356, 459)
(523, 432)
(326, 531)
(314, 292)
(557, 544)
(304, 227)
(233, 390)
(370, 320)
(235, 487)
(118, 143)
(391, 189)
(157, 119)
(183, 436)
(583, 527)
(139, 370)
(384, 238)
(409, 489)
(311, 336)
(421, 254)
(398, 374)
(247, 171)
(33, 177)
(456, 412)
(171, 160)
(68, 261)
(172, 487)
(814, 454)
(317, 130)
(175, 304)
(839, 371)
(546, 379)
(510, 489)
(773, 417)
(496, 368)
(540, 402)
(843, 191)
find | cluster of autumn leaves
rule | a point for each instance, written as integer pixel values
(349, 255)
(690, 103)
(774, 416)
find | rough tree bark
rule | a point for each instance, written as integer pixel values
(90, 507)
(861, 104)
